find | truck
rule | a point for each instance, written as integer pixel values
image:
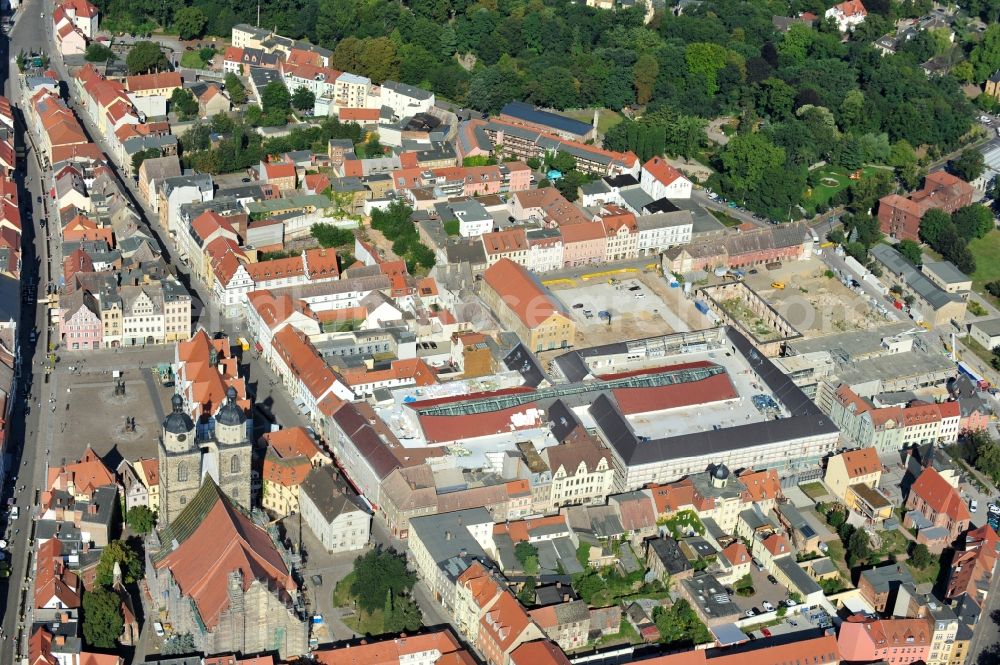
(244, 344)
(701, 306)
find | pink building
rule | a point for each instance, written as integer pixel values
(583, 243)
(80, 322)
(894, 641)
(518, 176)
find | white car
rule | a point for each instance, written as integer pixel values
(768, 607)
(750, 613)
(791, 602)
(973, 505)
(158, 628)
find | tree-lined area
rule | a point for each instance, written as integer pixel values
(794, 99)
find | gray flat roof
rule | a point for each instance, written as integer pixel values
(798, 577)
(917, 281)
(946, 272)
(806, 419)
(990, 327)
(446, 535)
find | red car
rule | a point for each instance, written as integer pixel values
(765, 632)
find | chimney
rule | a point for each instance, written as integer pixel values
(60, 640)
(447, 535)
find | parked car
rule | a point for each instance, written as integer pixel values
(768, 607)
(772, 579)
(791, 602)
(158, 628)
(749, 613)
(973, 505)
(578, 305)
(635, 288)
(765, 632)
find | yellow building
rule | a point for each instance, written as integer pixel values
(148, 471)
(526, 308)
(291, 455)
(861, 466)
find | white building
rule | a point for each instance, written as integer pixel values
(405, 100)
(847, 14)
(336, 516)
(351, 91)
(663, 230)
(661, 180)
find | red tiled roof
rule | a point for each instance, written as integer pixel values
(940, 496)
(861, 462)
(349, 115)
(521, 293)
(713, 389)
(540, 652)
(662, 171)
(223, 541)
(153, 81)
(505, 621)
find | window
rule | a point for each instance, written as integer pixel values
(182, 472)
(234, 464)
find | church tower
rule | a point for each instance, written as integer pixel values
(234, 450)
(180, 462)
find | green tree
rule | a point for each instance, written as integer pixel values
(859, 548)
(705, 59)
(377, 573)
(141, 156)
(561, 161)
(973, 221)
(405, 616)
(680, 626)
(234, 86)
(303, 99)
(645, 71)
(745, 159)
(910, 249)
(526, 594)
(985, 56)
(146, 57)
(140, 519)
(102, 618)
(969, 165)
(97, 52)
(921, 556)
(378, 59)
(933, 225)
(182, 101)
(190, 22)
(903, 159)
(527, 555)
(275, 98)
(121, 552)
(331, 236)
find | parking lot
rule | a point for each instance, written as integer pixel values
(634, 307)
(764, 591)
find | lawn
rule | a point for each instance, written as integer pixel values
(626, 635)
(683, 523)
(193, 60)
(823, 192)
(606, 121)
(893, 542)
(978, 349)
(727, 220)
(928, 574)
(835, 550)
(986, 250)
(813, 490)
